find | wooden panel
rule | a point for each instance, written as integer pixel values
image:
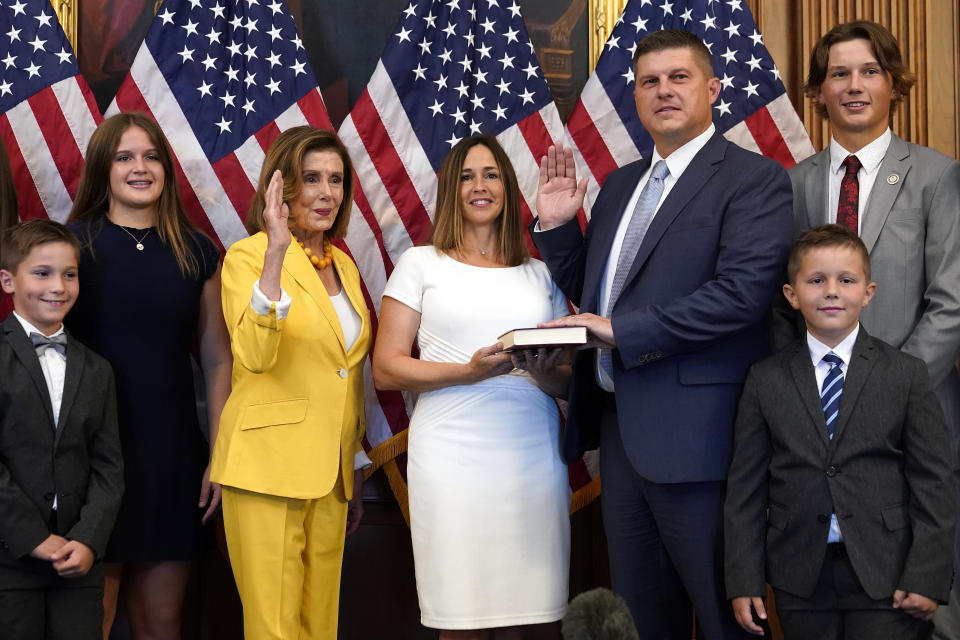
(943, 76)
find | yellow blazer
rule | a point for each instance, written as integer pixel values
(295, 414)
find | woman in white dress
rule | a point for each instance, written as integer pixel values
(489, 496)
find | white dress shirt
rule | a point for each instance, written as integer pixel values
(53, 365)
(844, 351)
(870, 158)
(350, 324)
(677, 163)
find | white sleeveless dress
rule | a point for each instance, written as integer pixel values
(489, 495)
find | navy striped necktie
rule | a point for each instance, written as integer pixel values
(831, 391)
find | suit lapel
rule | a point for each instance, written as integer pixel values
(801, 368)
(815, 188)
(605, 231)
(25, 352)
(861, 364)
(71, 382)
(895, 161)
(698, 172)
(296, 263)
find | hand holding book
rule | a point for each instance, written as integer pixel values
(599, 329)
(541, 360)
(548, 366)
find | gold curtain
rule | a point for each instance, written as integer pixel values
(67, 14)
(929, 35)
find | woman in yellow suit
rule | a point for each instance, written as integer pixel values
(291, 429)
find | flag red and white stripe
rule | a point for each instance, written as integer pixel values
(47, 112)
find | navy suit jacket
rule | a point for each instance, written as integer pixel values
(692, 316)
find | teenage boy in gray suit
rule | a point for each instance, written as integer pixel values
(838, 493)
(61, 470)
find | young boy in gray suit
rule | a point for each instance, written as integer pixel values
(61, 471)
(839, 490)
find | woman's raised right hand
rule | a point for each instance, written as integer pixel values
(276, 214)
(490, 361)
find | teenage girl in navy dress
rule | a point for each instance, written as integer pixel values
(150, 292)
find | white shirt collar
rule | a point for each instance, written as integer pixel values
(29, 328)
(870, 156)
(678, 160)
(844, 349)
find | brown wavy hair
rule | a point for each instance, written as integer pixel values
(884, 46)
(8, 194)
(93, 195)
(286, 154)
(447, 232)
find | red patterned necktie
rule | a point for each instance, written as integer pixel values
(849, 194)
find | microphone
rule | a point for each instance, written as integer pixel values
(598, 614)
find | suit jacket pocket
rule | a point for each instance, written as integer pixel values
(907, 215)
(778, 517)
(268, 414)
(894, 517)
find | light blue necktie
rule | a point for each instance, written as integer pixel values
(636, 230)
(831, 391)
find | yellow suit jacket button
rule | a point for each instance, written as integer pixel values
(343, 373)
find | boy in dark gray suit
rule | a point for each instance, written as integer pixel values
(839, 489)
(61, 472)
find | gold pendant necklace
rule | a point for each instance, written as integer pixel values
(140, 241)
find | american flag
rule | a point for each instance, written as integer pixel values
(222, 79)
(47, 112)
(452, 68)
(753, 109)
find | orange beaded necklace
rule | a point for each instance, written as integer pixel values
(318, 262)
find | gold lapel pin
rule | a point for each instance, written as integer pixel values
(893, 178)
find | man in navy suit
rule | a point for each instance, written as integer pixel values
(674, 278)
